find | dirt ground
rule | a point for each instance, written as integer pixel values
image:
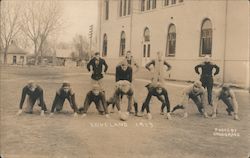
(63, 136)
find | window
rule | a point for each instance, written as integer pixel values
(166, 2)
(106, 9)
(120, 7)
(146, 35)
(154, 4)
(122, 44)
(148, 4)
(173, 1)
(105, 45)
(206, 38)
(146, 43)
(125, 7)
(171, 41)
(142, 5)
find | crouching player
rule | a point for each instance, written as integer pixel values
(226, 94)
(195, 92)
(97, 96)
(162, 95)
(65, 92)
(123, 87)
(35, 94)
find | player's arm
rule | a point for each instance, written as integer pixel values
(168, 65)
(217, 69)
(56, 99)
(147, 66)
(105, 66)
(196, 68)
(117, 74)
(130, 75)
(90, 64)
(23, 96)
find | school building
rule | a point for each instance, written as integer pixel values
(183, 30)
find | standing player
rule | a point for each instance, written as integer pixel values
(162, 95)
(34, 93)
(158, 72)
(207, 76)
(65, 92)
(226, 94)
(97, 96)
(131, 62)
(95, 66)
(195, 92)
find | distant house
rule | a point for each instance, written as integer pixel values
(15, 55)
(63, 57)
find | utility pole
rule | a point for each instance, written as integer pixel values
(90, 38)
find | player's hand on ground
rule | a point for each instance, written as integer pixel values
(214, 115)
(83, 115)
(236, 117)
(20, 111)
(168, 116)
(107, 116)
(185, 115)
(51, 114)
(75, 114)
(42, 113)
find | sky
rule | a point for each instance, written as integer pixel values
(78, 15)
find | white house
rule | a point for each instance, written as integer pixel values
(15, 55)
(184, 30)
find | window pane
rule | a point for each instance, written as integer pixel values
(121, 7)
(171, 41)
(142, 5)
(129, 6)
(148, 4)
(122, 44)
(144, 50)
(124, 7)
(148, 50)
(154, 4)
(106, 9)
(206, 38)
(166, 2)
(173, 1)
(146, 35)
(105, 45)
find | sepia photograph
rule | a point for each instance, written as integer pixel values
(124, 79)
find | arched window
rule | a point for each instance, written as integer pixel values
(122, 44)
(105, 45)
(146, 45)
(171, 40)
(206, 38)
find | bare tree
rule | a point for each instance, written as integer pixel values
(9, 25)
(81, 46)
(40, 20)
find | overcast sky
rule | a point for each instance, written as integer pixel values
(79, 15)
